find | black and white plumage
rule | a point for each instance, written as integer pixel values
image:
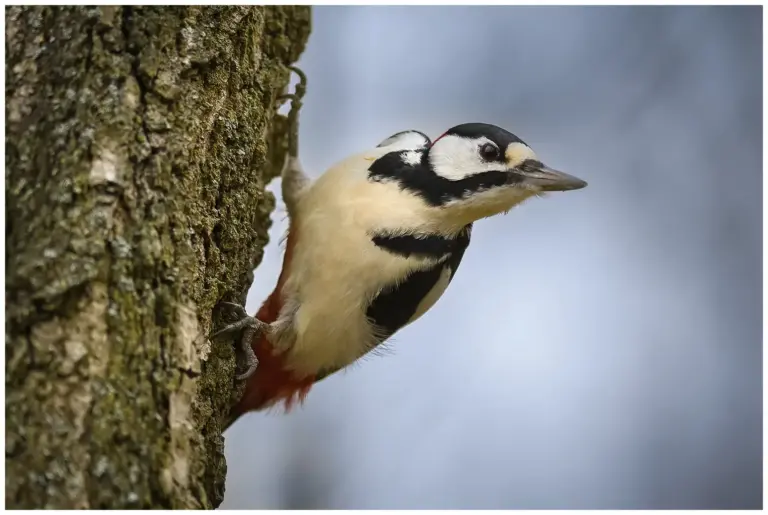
(379, 236)
(411, 140)
(404, 301)
(372, 244)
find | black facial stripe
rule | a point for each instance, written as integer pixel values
(422, 245)
(423, 181)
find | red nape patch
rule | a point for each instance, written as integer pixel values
(438, 138)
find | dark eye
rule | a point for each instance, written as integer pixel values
(489, 151)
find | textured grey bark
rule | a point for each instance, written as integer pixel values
(138, 144)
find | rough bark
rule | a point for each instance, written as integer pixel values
(138, 144)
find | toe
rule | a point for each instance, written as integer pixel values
(248, 373)
(237, 308)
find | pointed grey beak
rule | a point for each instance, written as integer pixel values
(547, 179)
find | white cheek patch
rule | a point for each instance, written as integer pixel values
(517, 153)
(457, 158)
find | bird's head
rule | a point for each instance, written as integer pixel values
(479, 170)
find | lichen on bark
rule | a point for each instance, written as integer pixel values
(139, 141)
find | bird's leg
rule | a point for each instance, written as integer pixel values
(250, 327)
(294, 180)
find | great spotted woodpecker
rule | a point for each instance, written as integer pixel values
(372, 244)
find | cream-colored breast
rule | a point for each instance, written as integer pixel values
(336, 269)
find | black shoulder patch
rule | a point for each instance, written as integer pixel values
(422, 245)
(392, 165)
(396, 304)
(462, 242)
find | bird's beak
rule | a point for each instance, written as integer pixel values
(547, 179)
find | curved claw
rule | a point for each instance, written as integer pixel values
(233, 328)
(299, 90)
(293, 114)
(245, 345)
(237, 308)
(288, 96)
(248, 373)
(302, 76)
(250, 327)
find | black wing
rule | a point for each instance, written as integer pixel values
(395, 305)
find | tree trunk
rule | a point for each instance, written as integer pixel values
(138, 145)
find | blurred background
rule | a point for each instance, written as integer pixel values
(598, 348)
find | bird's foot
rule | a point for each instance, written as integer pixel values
(294, 179)
(250, 327)
(293, 115)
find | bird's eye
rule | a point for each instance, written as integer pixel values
(489, 151)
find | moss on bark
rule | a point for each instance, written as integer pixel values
(139, 141)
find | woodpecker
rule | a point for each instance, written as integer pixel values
(372, 244)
